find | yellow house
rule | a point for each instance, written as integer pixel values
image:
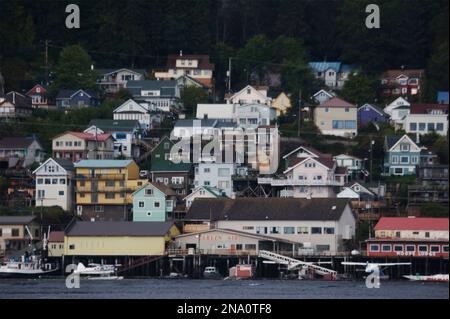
(281, 103)
(104, 187)
(336, 117)
(55, 244)
(115, 238)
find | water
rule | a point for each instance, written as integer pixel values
(211, 289)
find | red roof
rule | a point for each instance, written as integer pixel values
(88, 136)
(412, 223)
(336, 102)
(56, 236)
(426, 108)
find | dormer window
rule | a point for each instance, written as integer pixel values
(249, 91)
(404, 147)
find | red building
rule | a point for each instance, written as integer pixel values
(401, 82)
(409, 236)
(38, 96)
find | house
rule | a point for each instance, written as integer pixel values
(232, 242)
(281, 103)
(400, 101)
(104, 187)
(142, 112)
(442, 97)
(187, 128)
(225, 112)
(426, 118)
(113, 80)
(409, 237)
(334, 74)
(357, 191)
(55, 183)
(118, 238)
(402, 155)
(22, 151)
(336, 117)
(175, 175)
(369, 113)
(55, 246)
(17, 232)
(153, 202)
(322, 96)
(307, 174)
(15, 106)
(77, 99)
(218, 175)
(124, 132)
(38, 96)
(203, 192)
(401, 82)
(185, 81)
(250, 95)
(161, 96)
(353, 164)
(196, 66)
(75, 146)
(324, 225)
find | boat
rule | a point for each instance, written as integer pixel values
(28, 267)
(242, 271)
(106, 277)
(434, 278)
(97, 272)
(211, 273)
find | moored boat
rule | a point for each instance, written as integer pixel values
(27, 267)
(211, 273)
(435, 278)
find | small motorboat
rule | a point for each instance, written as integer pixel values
(211, 273)
(434, 278)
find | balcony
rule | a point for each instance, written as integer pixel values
(100, 177)
(294, 182)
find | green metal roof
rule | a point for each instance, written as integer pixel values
(102, 163)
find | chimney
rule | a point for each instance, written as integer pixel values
(181, 52)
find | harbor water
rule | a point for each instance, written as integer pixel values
(219, 289)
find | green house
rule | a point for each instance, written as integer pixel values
(152, 202)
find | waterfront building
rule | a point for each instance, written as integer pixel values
(118, 238)
(153, 202)
(16, 233)
(55, 244)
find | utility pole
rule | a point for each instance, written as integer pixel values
(299, 111)
(372, 142)
(46, 67)
(229, 74)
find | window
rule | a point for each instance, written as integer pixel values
(414, 159)
(398, 248)
(141, 204)
(374, 248)
(386, 248)
(47, 181)
(248, 227)
(62, 181)
(338, 124)
(98, 209)
(149, 192)
(398, 170)
(41, 193)
(157, 204)
(397, 234)
(413, 127)
(302, 230)
(82, 195)
(327, 110)
(206, 183)
(15, 232)
(439, 126)
(430, 126)
(423, 248)
(410, 248)
(404, 159)
(394, 159)
(71, 247)
(404, 147)
(328, 230)
(316, 230)
(445, 249)
(347, 109)
(61, 193)
(434, 248)
(54, 181)
(206, 170)
(110, 195)
(224, 172)
(250, 247)
(40, 181)
(274, 230)
(110, 183)
(427, 234)
(422, 126)
(289, 230)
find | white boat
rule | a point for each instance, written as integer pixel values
(28, 267)
(108, 277)
(95, 270)
(435, 278)
(211, 273)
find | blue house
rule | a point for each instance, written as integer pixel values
(442, 97)
(153, 202)
(401, 155)
(370, 113)
(77, 98)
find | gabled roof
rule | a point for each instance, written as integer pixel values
(326, 162)
(151, 85)
(134, 103)
(56, 237)
(392, 140)
(412, 223)
(347, 155)
(411, 73)
(63, 163)
(119, 228)
(329, 94)
(109, 71)
(271, 208)
(161, 187)
(107, 125)
(36, 85)
(211, 190)
(323, 66)
(306, 149)
(264, 97)
(18, 99)
(336, 102)
(375, 108)
(87, 136)
(426, 108)
(16, 220)
(16, 142)
(67, 94)
(103, 163)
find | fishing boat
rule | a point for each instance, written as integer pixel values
(211, 273)
(28, 267)
(434, 278)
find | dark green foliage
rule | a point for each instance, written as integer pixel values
(191, 96)
(433, 210)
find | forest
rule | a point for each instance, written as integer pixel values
(260, 34)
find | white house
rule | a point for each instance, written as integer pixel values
(216, 111)
(397, 109)
(132, 110)
(218, 175)
(250, 95)
(112, 80)
(202, 192)
(162, 96)
(322, 96)
(54, 183)
(321, 225)
(353, 164)
(426, 118)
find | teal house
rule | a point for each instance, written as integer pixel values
(401, 155)
(153, 202)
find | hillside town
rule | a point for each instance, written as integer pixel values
(166, 170)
